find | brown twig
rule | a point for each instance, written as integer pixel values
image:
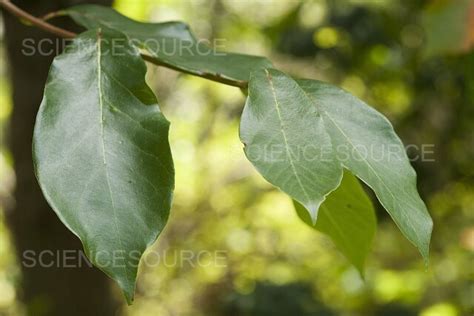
(213, 77)
(16, 11)
(42, 24)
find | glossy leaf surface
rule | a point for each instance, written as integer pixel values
(341, 131)
(102, 155)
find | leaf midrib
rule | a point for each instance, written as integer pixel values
(102, 138)
(288, 154)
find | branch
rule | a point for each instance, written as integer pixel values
(16, 11)
(42, 24)
(213, 77)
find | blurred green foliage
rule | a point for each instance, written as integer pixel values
(251, 254)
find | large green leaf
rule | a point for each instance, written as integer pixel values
(172, 44)
(348, 218)
(340, 131)
(102, 155)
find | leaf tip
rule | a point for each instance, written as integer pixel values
(360, 267)
(424, 248)
(129, 293)
(312, 209)
(425, 254)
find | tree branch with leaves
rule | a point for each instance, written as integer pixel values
(103, 160)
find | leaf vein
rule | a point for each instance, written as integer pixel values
(288, 154)
(99, 87)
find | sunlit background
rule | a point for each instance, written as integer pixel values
(392, 54)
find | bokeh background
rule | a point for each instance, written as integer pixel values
(410, 59)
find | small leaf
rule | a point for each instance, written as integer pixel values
(335, 130)
(172, 43)
(348, 218)
(101, 153)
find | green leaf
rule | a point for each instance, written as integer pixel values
(173, 44)
(348, 218)
(101, 152)
(366, 144)
(285, 138)
(335, 130)
(92, 16)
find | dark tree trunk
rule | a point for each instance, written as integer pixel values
(34, 226)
